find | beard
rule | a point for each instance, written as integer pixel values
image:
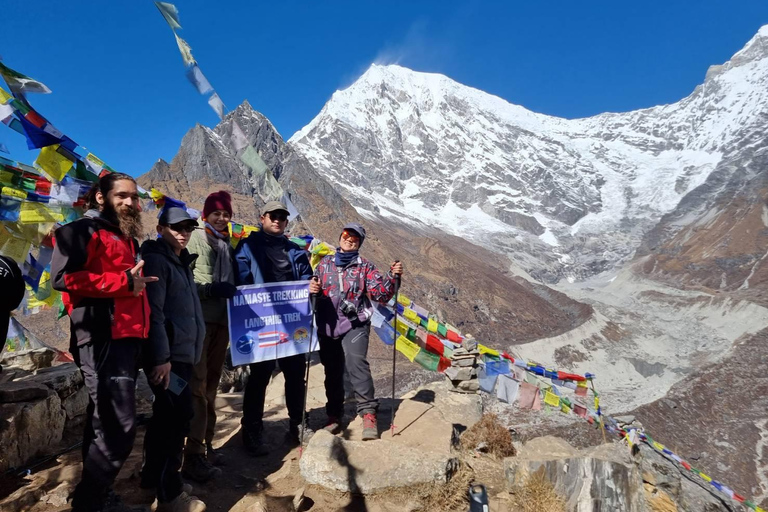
(127, 218)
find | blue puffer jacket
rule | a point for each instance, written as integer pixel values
(250, 257)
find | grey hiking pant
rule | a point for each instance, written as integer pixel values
(350, 351)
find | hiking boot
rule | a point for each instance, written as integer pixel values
(214, 456)
(333, 425)
(253, 441)
(370, 427)
(198, 469)
(182, 503)
(147, 493)
(294, 433)
(113, 503)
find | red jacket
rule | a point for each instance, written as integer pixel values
(90, 266)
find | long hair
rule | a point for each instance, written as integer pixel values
(104, 185)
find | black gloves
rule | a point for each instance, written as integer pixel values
(222, 290)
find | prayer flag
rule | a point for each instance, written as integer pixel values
(21, 84)
(409, 349)
(487, 382)
(527, 395)
(434, 345)
(441, 330)
(497, 367)
(411, 315)
(403, 300)
(185, 50)
(507, 389)
(485, 350)
(551, 399)
(196, 77)
(580, 410)
(170, 13)
(238, 137)
(427, 360)
(217, 105)
(55, 165)
(432, 325)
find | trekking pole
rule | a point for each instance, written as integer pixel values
(394, 355)
(313, 303)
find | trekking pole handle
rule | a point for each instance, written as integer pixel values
(398, 279)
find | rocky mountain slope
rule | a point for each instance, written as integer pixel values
(564, 198)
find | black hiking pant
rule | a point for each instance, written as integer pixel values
(166, 432)
(255, 391)
(109, 369)
(349, 351)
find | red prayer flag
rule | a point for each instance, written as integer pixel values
(581, 391)
(35, 118)
(434, 345)
(453, 336)
(507, 356)
(443, 364)
(570, 376)
(685, 465)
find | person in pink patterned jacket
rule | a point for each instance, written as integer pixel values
(347, 283)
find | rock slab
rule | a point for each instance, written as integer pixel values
(364, 467)
(29, 429)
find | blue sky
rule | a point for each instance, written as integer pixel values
(119, 86)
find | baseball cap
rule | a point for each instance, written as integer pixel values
(174, 215)
(357, 228)
(274, 206)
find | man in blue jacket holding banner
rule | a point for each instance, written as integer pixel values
(268, 256)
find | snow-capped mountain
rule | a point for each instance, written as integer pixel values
(565, 198)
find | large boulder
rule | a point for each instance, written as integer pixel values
(428, 421)
(29, 429)
(64, 379)
(29, 359)
(364, 467)
(600, 479)
(22, 392)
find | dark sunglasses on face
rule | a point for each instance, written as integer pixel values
(350, 236)
(182, 228)
(280, 217)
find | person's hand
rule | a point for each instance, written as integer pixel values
(139, 281)
(161, 374)
(397, 268)
(222, 290)
(314, 286)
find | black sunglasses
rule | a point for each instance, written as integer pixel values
(183, 228)
(278, 216)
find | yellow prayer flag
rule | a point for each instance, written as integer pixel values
(35, 213)
(485, 350)
(411, 315)
(185, 50)
(432, 325)
(581, 384)
(403, 300)
(658, 446)
(15, 248)
(402, 327)
(551, 399)
(4, 96)
(54, 164)
(565, 408)
(707, 478)
(13, 192)
(155, 194)
(407, 348)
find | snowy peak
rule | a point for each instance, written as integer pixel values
(577, 194)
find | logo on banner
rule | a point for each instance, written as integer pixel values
(300, 334)
(244, 345)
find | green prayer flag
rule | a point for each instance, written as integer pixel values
(427, 360)
(442, 331)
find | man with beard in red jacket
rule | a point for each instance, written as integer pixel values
(96, 267)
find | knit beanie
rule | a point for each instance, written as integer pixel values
(220, 200)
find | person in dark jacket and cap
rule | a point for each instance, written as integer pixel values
(176, 333)
(344, 311)
(268, 256)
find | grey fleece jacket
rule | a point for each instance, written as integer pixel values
(176, 325)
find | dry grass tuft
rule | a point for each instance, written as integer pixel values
(490, 431)
(445, 497)
(537, 495)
